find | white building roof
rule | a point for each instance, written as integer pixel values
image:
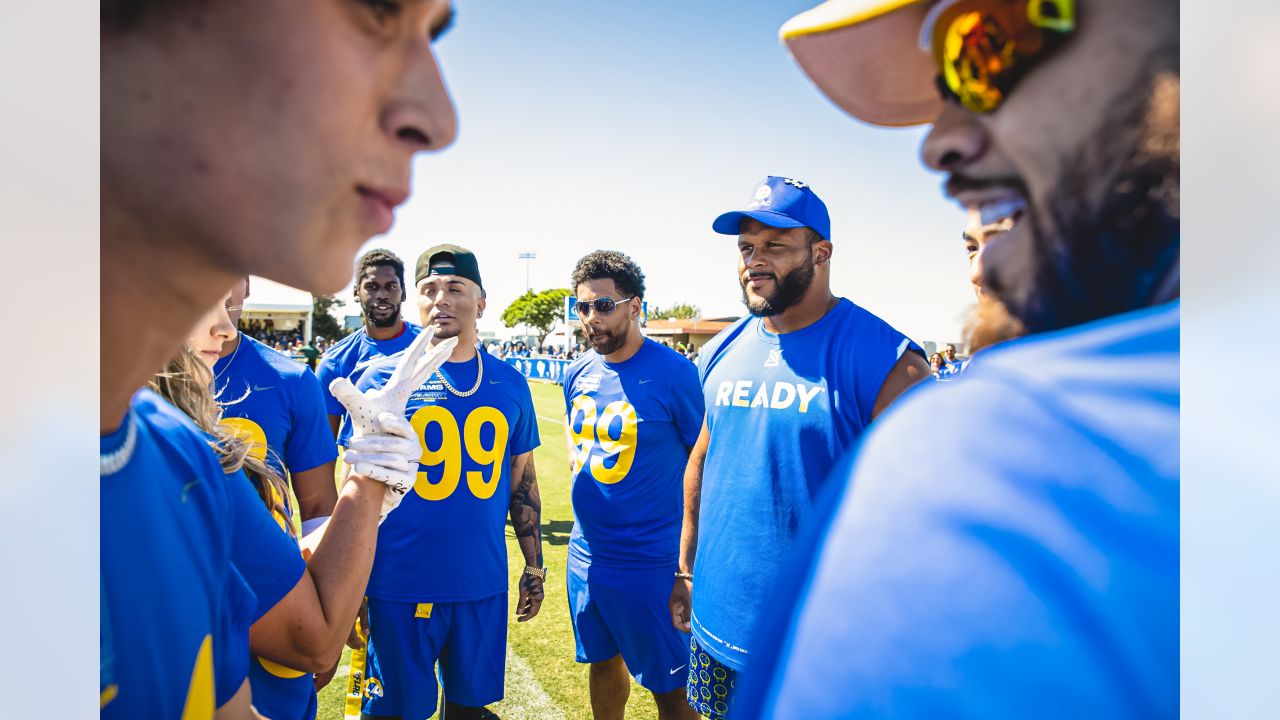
(270, 296)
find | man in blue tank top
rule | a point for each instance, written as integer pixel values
(787, 389)
(380, 289)
(1039, 575)
(634, 410)
(438, 590)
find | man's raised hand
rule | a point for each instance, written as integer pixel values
(383, 445)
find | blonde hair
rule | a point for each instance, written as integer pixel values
(185, 382)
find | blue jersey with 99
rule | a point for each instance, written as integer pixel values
(446, 541)
(632, 424)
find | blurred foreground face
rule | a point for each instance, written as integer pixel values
(272, 137)
(1080, 162)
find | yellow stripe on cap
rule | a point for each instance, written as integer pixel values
(836, 14)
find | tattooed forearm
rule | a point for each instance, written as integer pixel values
(526, 514)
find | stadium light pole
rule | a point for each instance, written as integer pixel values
(528, 257)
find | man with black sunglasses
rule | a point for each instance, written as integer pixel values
(1038, 576)
(634, 409)
(787, 390)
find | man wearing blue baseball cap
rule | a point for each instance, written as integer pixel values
(787, 389)
(1038, 576)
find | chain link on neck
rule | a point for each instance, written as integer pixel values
(472, 391)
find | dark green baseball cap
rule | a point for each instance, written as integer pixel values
(453, 260)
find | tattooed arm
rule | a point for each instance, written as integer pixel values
(526, 520)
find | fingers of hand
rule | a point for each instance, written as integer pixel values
(394, 462)
(431, 360)
(394, 424)
(354, 401)
(411, 354)
(407, 449)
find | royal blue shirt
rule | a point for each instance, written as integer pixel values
(780, 410)
(276, 405)
(1026, 569)
(350, 356)
(633, 423)
(271, 564)
(175, 612)
(446, 541)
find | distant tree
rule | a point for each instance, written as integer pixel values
(323, 323)
(680, 312)
(539, 310)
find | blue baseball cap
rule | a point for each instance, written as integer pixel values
(782, 203)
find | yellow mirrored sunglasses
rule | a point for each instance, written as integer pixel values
(983, 47)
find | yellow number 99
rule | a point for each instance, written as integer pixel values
(448, 455)
(482, 455)
(584, 438)
(624, 446)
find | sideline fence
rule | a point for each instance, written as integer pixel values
(546, 369)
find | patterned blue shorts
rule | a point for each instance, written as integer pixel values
(710, 687)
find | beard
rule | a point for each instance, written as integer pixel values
(990, 324)
(607, 343)
(1122, 253)
(790, 288)
(446, 333)
(376, 321)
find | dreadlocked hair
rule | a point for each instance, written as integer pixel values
(185, 383)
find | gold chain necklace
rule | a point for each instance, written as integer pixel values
(472, 391)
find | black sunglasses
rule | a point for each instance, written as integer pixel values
(604, 306)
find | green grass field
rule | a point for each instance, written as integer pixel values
(543, 682)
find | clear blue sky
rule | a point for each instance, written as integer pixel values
(588, 125)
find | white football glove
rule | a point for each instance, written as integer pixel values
(383, 445)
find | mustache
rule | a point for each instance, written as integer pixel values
(958, 183)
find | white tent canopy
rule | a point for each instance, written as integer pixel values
(269, 300)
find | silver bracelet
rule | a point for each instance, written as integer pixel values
(684, 576)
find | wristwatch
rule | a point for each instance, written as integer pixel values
(540, 573)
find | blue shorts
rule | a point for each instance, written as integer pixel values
(624, 611)
(469, 639)
(711, 684)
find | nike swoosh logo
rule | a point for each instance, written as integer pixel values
(258, 388)
(495, 382)
(673, 672)
(645, 381)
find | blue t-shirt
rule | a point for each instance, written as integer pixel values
(268, 559)
(276, 405)
(446, 540)
(780, 410)
(350, 356)
(175, 612)
(633, 424)
(1026, 569)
